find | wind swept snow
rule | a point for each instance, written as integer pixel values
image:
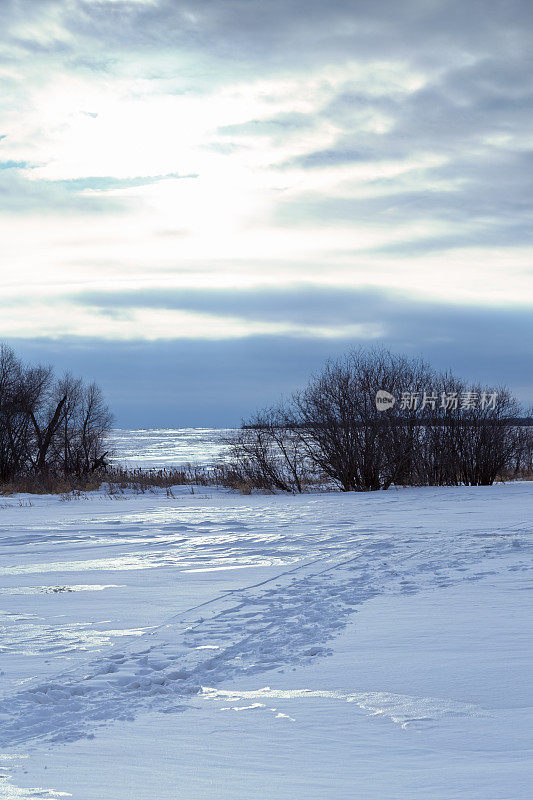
(362, 645)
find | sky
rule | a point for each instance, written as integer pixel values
(200, 202)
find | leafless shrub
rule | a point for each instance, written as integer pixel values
(488, 443)
(333, 432)
(522, 463)
(348, 439)
(269, 453)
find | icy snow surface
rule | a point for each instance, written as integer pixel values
(169, 447)
(213, 645)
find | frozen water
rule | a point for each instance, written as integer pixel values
(167, 447)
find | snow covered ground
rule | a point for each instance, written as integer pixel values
(213, 645)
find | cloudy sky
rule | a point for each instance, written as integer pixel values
(201, 201)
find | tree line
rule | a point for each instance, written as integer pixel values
(50, 426)
(440, 431)
(331, 433)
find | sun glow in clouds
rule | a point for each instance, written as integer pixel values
(132, 154)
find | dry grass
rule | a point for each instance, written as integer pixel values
(33, 484)
(522, 475)
(116, 481)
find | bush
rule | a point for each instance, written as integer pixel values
(332, 431)
(270, 453)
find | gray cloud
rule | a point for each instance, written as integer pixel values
(457, 117)
(491, 333)
(279, 33)
(287, 30)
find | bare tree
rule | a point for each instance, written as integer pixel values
(96, 421)
(48, 427)
(13, 422)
